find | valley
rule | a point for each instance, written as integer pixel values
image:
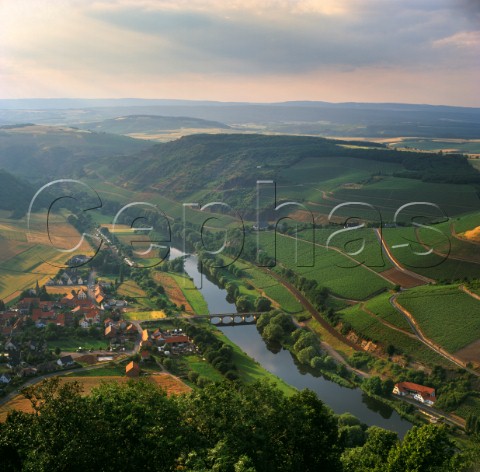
(358, 260)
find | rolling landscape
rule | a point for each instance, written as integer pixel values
(368, 248)
(239, 236)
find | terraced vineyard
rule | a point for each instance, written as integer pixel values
(414, 256)
(381, 306)
(370, 328)
(445, 314)
(343, 276)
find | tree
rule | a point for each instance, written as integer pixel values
(243, 304)
(273, 333)
(424, 449)
(263, 304)
(373, 385)
(374, 453)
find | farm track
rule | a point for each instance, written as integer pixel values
(333, 248)
(427, 341)
(448, 256)
(310, 308)
(468, 292)
(397, 265)
(386, 323)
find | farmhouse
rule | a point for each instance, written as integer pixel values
(176, 340)
(132, 370)
(5, 379)
(65, 361)
(418, 392)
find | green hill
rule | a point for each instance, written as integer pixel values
(226, 168)
(39, 153)
(15, 194)
(150, 124)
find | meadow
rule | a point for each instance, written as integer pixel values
(191, 293)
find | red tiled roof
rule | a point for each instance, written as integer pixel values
(413, 387)
(177, 339)
(132, 369)
(39, 314)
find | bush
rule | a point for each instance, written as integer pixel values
(193, 376)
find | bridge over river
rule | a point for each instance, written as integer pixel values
(229, 319)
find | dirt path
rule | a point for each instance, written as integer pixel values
(386, 323)
(397, 265)
(427, 341)
(449, 256)
(310, 308)
(333, 248)
(469, 292)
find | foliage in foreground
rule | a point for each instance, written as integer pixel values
(223, 427)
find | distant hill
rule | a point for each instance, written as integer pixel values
(210, 166)
(381, 120)
(16, 194)
(39, 153)
(150, 124)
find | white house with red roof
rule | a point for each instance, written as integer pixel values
(421, 393)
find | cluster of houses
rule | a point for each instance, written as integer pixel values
(168, 342)
(13, 356)
(418, 392)
(67, 278)
(117, 332)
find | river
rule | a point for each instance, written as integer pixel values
(339, 399)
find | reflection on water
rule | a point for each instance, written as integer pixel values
(281, 362)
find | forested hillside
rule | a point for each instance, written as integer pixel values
(222, 427)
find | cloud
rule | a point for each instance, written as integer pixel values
(106, 45)
(236, 41)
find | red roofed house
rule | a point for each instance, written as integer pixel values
(132, 370)
(145, 355)
(177, 339)
(110, 331)
(61, 319)
(145, 339)
(419, 392)
(38, 313)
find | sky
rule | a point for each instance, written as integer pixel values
(410, 51)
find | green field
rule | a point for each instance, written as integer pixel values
(105, 371)
(360, 244)
(203, 368)
(370, 328)
(445, 314)
(389, 194)
(73, 343)
(192, 294)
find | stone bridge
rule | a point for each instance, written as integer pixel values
(230, 319)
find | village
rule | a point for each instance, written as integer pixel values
(30, 330)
